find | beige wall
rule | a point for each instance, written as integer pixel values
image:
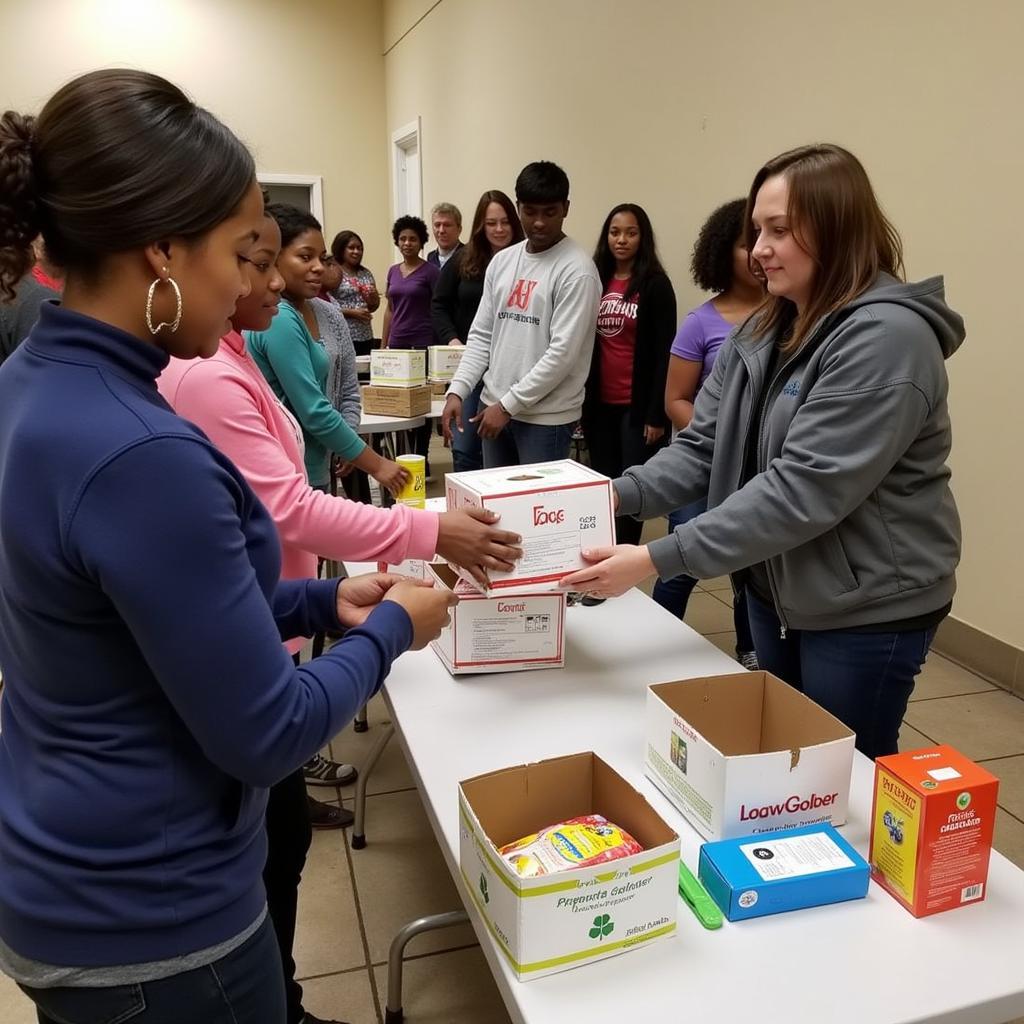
(303, 86)
(675, 106)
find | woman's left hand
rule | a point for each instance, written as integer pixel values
(612, 572)
(652, 435)
(359, 595)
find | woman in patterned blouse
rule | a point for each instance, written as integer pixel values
(357, 294)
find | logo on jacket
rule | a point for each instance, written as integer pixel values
(792, 389)
(520, 295)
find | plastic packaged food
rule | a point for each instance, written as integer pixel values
(576, 843)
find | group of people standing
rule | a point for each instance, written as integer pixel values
(165, 433)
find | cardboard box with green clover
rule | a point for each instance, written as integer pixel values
(556, 921)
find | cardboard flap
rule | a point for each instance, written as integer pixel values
(516, 802)
(725, 710)
(620, 803)
(790, 721)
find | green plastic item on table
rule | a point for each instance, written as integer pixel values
(703, 906)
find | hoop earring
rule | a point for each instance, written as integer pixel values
(149, 307)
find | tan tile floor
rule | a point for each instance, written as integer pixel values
(352, 900)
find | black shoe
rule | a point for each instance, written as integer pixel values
(323, 815)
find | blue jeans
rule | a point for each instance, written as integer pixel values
(520, 444)
(673, 595)
(467, 452)
(864, 679)
(244, 987)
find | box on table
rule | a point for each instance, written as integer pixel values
(788, 870)
(439, 388)
(558, 508)
(396, 401)
(746, 753)
(932, 821)
(443, 361)
(509, 633)
(553, 922)
(398, 367)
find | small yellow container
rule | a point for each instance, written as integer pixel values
(414, 493)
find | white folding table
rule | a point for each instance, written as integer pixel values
(865, 962)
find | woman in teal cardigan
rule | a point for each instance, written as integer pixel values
(296, 364)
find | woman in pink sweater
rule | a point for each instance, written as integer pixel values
(228, 398)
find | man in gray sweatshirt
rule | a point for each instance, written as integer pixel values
(533, 334)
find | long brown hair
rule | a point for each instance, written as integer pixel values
(477, 253)
(836, 219)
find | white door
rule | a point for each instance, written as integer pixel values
(407, 189)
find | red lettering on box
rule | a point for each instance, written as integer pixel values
(545, 517)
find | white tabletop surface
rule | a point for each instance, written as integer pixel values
(372, 424)
(868, 961)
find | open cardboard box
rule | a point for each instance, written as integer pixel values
(746, 753)
(553, 922)
(506, 633)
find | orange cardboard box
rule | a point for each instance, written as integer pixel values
(932, 821)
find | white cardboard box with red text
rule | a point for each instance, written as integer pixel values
(558, 508)
(746, 753)
(550, 923)
(502, 633)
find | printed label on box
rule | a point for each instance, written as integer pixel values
(444, 361)
(795, 856)
(398, 367)
(931, 828)
(558, 508)
(503, 633)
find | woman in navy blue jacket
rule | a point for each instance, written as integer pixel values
(148, 701)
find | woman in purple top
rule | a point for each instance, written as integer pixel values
(409, 293)
(410, 287)
(720, 264)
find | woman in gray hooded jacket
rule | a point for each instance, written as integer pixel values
(820, 440)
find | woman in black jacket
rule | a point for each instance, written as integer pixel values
(624, 418)
(457, 296)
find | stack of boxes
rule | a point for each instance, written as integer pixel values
(398, 383)
(558, 508)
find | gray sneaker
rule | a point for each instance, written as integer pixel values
(318, 771)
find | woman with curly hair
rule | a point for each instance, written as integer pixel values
(410, 287)
(720, 264)
(409, 291)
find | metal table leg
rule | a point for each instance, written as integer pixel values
(358, 826)
(393, 1013)
(360, 723)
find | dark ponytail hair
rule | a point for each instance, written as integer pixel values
(116, 160)
(19, 212)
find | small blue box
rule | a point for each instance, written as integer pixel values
(752, 876)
